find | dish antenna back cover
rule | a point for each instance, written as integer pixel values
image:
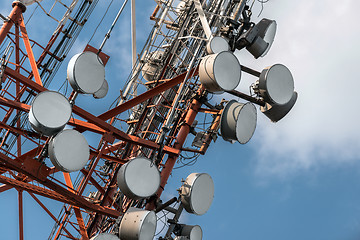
(138, 178)
(220, 71)
(276, 112)
(49, 113)
(238, 121)
(69, 150)
(190, 232)
(267, 31)
(197, 193)
(86, 72)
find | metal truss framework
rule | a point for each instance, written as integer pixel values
(24, 172)
(157, 127)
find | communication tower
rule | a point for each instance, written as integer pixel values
(123, 169)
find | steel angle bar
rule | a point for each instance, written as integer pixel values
(210, 111)
(24, 80)
(204, 22)
(76, 209)
(85, 126)
(146, 95)
(107, 157)
(14, 104)
(5, 187)
(21, 214)
(120, 134)
(35, 189)
(25, 37)
(246, 97)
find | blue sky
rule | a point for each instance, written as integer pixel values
(296, 179)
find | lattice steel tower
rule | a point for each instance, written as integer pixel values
(136, 142)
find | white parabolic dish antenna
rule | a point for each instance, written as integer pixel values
(220, 71)
(238, 121)
(137, 224)
(216, 45)
(138, 178)
(105, 236)
(50, 112)
(197, 193)
(69, 150)
(86, 72)
(276, 84)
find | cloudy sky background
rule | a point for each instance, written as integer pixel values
(296, 179)
(317, 41)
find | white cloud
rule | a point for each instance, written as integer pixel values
(318, 41)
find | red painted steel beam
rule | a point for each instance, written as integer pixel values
(120, 134)
(214, 127)
(14, 16)
(210, 111)
(77, 211)
(70, 196)
(62, 222)
(114, 147)
(81, 223)
(57, 196)
(20, 131)
(28, 159)
(24, 80)
(107, 157)
(30, 54)
(146, 95)
(86, 126)
(35, 189)
(98, 187)
(14, 104)
(93, 181)
(5, 187)
(21, 215)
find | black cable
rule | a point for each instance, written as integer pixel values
(100, 21)
(262, 5)
(164, 222)
(32, 14)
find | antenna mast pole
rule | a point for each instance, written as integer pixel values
(133, 33)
